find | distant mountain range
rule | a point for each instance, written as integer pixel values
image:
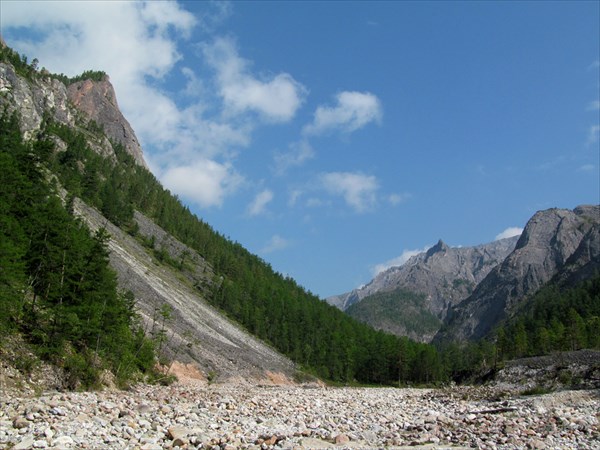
(469, 290)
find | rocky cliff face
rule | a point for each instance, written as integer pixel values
(445, 275)
(74, 106)
(33, 99)
(555, 243)
(97, 100)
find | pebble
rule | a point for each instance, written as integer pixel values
(266, 417)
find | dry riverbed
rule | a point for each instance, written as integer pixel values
(244, 416)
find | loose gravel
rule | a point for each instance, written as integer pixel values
(228, 417)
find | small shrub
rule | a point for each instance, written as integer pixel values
(536, 390)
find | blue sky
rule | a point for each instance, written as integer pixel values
(336, 138)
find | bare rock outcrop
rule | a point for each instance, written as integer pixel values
(42, 96)
(33, 99)
(554, 242)
(445, 275)
(196, 334)
(98, 101)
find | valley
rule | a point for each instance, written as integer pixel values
(128, 322)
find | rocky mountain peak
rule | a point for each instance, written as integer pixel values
(445, 275)
(555, 243)
(98, 101)
(440, 247)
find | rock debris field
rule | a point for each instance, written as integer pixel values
(240, 416)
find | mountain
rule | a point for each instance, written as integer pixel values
(199, 298)
(399, 311)
(556, 244)
(170, 302)
(98, 101)
(443, 275)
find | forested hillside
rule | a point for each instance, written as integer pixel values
(320, 338)
(57, 289)
(555, 319)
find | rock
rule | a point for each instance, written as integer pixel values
(428, 273)
(63, 441)
(21, 422)
(316, 443)
(26, 443)
(179, 442)
(556, 243)
(341, 439)
(178, 432)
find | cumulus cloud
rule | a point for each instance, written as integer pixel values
(509, 232)
(299, 152)
(358, 190)
(276, 243)
(136, 43)
(397, 261)
(260, 202)
(276, 98)
(352, 111)
(205, 183)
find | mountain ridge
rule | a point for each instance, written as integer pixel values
(549, 241)
(445, 275)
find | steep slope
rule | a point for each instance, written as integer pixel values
(194, 263)
(399, 312)
(445, 276)
(97, 99)
(555, 243)
(39, 96)
(195, 332)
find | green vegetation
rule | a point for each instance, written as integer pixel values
(397, 310)
(56, 287)
(554, 320)
(326, 342)
(31, 71)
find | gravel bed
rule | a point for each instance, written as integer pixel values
(230, 417)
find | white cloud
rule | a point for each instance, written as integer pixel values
(293, 197)
(509, 232)
(299, 152)
(353, 110)
(205, 183)
(587, 168)
(358, 190)
(397, 261)
(396, 199)
(275, 243)
(593, 134)
(260, 202)
(276, 98)
(593, 106)
(136, 43)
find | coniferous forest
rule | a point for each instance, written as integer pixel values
(57, 289)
